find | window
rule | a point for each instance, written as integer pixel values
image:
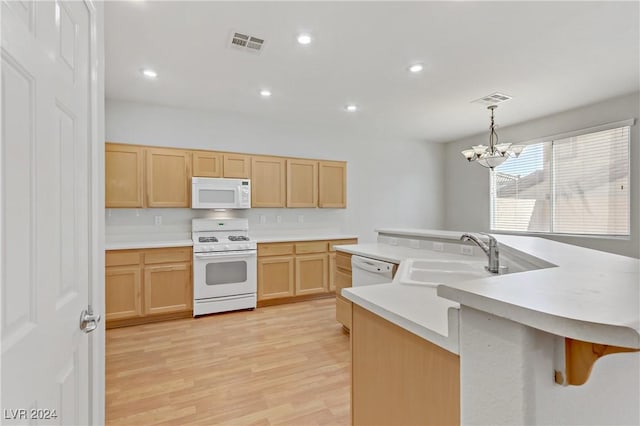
(573, 185)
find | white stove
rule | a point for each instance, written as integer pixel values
(224, 266)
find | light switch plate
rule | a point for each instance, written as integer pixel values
(278, 219)
(438, 246)
(157, 220)
(300, 218)
(263, 219)
(414, 244)
(393, 241)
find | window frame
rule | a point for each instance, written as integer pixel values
(550, 139)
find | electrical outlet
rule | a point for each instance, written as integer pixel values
(278, 219)
(466, 250)
(438, 246)
(263, 219)
(414, 244)
(393, 241)
(157, 220)
(300, 218)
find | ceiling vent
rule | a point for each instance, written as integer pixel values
(493, 99)
(245, 42)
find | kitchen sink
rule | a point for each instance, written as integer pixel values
(448, 265)
(432, 273)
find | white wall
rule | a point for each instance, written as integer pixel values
(389, 182)
(466, 185)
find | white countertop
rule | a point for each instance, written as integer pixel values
(142, 241)
(277, 237)
(394, 254)
(581, 293)
(415, 308)
(591, 295)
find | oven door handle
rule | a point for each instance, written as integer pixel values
(218, 254)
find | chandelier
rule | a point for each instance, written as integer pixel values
(496, 153)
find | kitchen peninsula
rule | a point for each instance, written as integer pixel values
(518, 333)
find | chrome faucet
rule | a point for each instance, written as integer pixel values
(491, 250)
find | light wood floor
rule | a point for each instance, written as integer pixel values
(286, 364)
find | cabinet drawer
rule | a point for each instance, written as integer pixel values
(166, 255)
(343, 261)
(340, 243)
(343, 312)
(311, 247)
(122, 257)
(275, 249)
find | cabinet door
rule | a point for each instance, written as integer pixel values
(207, 164)
(332, 177)
(302, 183)
(236, 166)
(275, 277)
(124, 176)
(123, 292)
(312, 274)
(168, 177)
(267, 182)
(167, 288)
(332, 271)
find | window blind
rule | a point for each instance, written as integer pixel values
(575, 185)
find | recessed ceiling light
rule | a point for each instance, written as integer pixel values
(149, 73)
(351, 107)
(304, 38)
(265, 93)
(415, 68)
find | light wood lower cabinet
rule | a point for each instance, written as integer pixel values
(398, 378)
(123, 290)
(342, 279)
(147, 285)
(167, 288)
(275, 277)
(312, 274)
(293, 271)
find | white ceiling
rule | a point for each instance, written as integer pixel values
(550, 56)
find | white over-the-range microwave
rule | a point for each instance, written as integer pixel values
(220, 193)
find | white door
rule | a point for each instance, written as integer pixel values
(48, 134)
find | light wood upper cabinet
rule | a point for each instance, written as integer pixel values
(268, 182)
(332, 177)
(236, 166)
(167, 288)
(124, 176)
(207, 164)
(302, 183)
(168, 175)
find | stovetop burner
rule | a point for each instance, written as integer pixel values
(238, 238)
(207, 240)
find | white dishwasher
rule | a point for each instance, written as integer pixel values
(367, 271)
